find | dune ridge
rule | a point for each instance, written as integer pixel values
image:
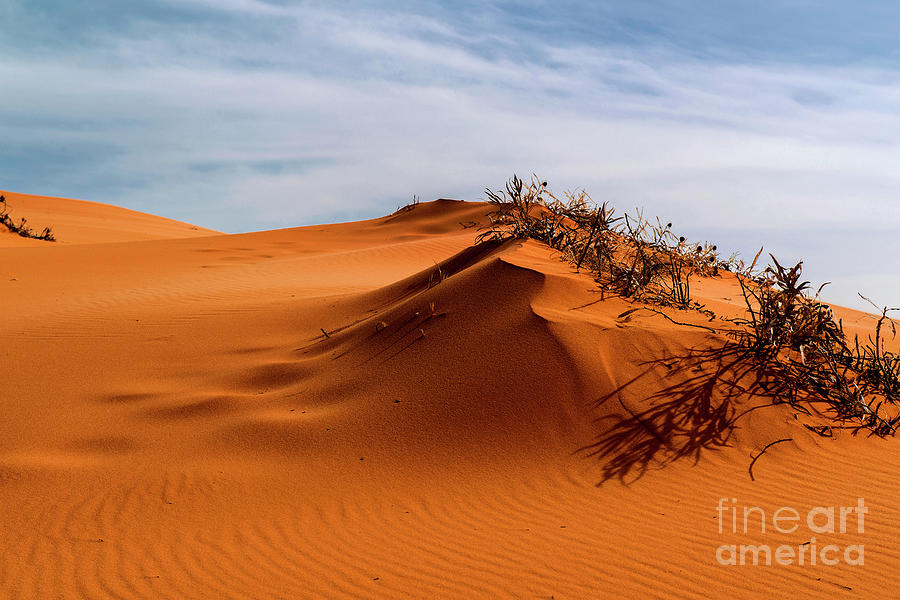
(84, 222)
(381, 410)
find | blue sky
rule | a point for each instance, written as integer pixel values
(745, 123)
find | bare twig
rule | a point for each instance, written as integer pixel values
(763, 451)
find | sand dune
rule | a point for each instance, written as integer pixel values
(473, 422)
(82, 222)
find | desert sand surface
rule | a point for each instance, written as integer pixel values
(475, 422)
(83, 222)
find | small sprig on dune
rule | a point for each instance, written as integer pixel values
(21, 228)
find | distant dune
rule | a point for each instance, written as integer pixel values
(381, 409)
(82, 222)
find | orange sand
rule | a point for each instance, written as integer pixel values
(478, 424)
(81, 222)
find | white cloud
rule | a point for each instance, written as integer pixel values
(372, 109)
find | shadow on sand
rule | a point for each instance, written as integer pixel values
(710, 391)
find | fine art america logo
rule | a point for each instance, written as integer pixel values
(828, 521)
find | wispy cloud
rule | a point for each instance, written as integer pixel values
(246, 114)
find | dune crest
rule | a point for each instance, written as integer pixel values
(83, 222)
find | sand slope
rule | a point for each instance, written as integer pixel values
(82, 222)
(476, 422)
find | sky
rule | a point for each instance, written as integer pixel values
(772, 123)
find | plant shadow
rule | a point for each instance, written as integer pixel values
(711, 390)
